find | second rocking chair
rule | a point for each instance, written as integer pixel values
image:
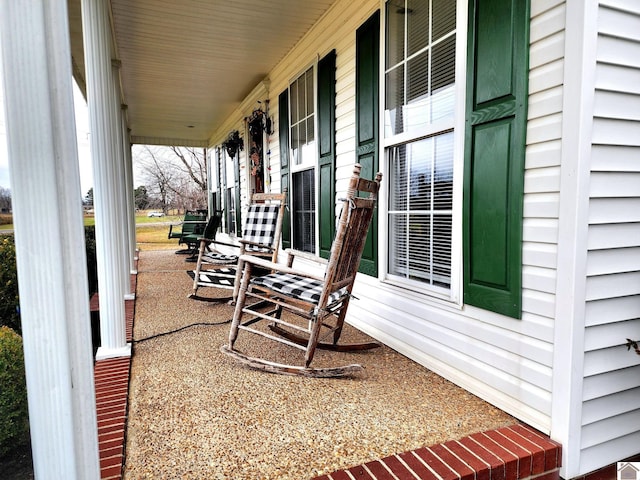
(260, 238)
(320, 301)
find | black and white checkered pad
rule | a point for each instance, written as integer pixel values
(260, 226)
(219, 259)
(302, 288)
(221, 277)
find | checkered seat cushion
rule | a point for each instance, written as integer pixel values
(302, 288)
(261, 227)
(221, 277)
(219, 258)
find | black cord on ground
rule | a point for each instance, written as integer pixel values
(182, 328)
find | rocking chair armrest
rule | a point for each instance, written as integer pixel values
(205, 240)
(226, 244)
(291, 253)
(254, 244)
(278, 267)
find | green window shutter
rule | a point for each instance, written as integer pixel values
(236, 192)
(223, 190)
(367, 122)
(220, 191)
(283, 127)
(495, 134)
(327, 150)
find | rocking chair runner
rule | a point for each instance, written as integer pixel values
(261, 238)
(322, 301)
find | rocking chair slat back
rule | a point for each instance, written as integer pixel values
(351, 235)
(263, 225)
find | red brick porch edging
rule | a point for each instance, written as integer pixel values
(112, 390)
(517, 452)
(111, 378)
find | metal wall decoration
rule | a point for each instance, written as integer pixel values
(233, 144)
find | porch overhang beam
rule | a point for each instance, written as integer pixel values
(169, 142)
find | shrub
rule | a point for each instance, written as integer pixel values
(9, 299)
(92, 267)
(14, 423)
(6, 219)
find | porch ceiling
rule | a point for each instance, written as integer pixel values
(187, 65)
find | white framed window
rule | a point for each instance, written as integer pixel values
(421, 116)
(216, 180)
(229, 191)
(304, 156)
(302, 120)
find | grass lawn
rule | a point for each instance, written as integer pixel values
(154, 237)
(6, 222)
(151, 232)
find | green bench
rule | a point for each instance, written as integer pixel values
(193, 224)
(197, 241)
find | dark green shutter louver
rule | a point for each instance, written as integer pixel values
(367, 121)
(326, 150)
(283, 127)
(495, 134)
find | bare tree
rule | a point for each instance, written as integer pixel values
(193, 162)
(175, 177)
(193, 166)
(5, 200)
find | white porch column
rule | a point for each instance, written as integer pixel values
(131, 204)
(104, 151)
(54, 296)
(121, 184)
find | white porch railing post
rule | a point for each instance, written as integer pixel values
(105, 151)
(52, 270)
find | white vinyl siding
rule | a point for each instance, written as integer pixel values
(611, 397)
(542, 173)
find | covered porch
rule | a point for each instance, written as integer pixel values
(193, 412)
(157, 73)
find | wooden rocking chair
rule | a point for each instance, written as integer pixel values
(322, 301)
(260, 238)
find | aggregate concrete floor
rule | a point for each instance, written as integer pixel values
(196, 413)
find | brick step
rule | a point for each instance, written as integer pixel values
(517, 452)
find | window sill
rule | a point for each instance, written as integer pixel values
(410, 292)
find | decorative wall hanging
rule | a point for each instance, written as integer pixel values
(233, 144)
(257, 124)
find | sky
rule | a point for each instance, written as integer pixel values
(82, 132)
